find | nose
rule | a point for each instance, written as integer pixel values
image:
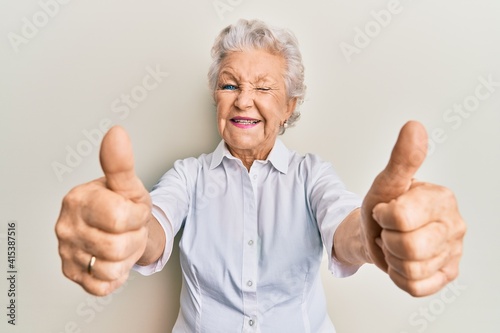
(244, 100)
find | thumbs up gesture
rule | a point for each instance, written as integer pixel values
(104, 225)
(412, 230)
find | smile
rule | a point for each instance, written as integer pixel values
(248, 122)
(244, 122)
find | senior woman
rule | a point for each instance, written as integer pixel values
(255, 214)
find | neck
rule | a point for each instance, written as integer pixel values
(247, 157)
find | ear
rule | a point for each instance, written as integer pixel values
(290, 107)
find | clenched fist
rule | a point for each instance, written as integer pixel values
(412, 230)
(104, 225)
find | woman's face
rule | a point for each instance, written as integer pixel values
(252, 102)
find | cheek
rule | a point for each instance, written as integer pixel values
(223, 104)
(220, 119)
(222, 113)
(272, 110)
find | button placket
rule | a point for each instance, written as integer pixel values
(250, 324)
(250, 255)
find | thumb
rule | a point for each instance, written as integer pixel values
(407, 156)
(117, 162)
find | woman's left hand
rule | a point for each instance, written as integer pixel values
(412, 230)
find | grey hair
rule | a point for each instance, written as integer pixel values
(255, 34)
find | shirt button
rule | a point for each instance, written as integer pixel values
(251, 322)
(250, 242)
(254, 177)
(249, 283)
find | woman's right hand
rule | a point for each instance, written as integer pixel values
(108, 218)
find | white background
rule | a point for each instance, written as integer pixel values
(64, 79)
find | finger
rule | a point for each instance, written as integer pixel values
(76, 256)
(105, 270)
(125, 215)
(101, 288)
(419, 288)
(410, 211)
(117, 162)
(416, 270)
(111, 270)
(421, 244)
(112, 247)
(406, 157)
(76, 270)
(451, 268)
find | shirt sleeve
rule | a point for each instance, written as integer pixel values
(171, 198)
(331, 203)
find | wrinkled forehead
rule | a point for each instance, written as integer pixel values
(253, 66)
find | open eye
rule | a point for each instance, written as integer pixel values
(229, 87)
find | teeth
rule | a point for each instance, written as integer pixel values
(247, 122)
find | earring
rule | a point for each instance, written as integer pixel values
(285, 124)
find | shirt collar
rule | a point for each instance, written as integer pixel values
(278, 156)
(219, 154)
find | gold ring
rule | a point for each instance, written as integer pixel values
(90, 266)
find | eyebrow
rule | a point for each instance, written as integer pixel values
(261, 78)
(226, 73)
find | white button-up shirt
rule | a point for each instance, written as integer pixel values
(252, 240)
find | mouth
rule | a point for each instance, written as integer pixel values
(242, 122)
